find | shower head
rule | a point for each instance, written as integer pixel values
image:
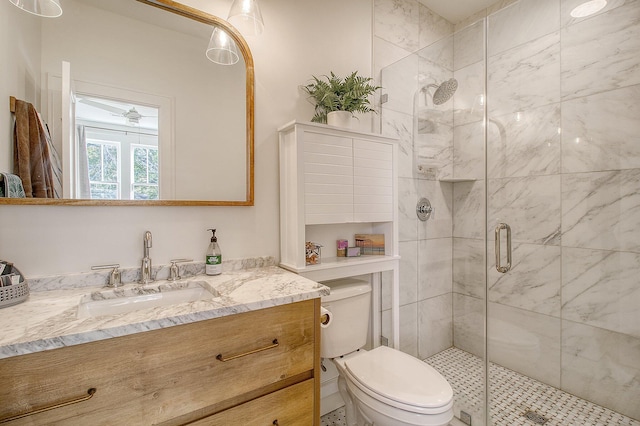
(445, 91)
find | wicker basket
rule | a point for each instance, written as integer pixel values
(13, 294)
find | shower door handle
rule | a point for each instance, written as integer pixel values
(499, 267)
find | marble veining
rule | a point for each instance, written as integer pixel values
(436, 58)
(409, 329)
(600, 288)
(408, 272)
(602, 132)
(468, 273)
(522, 22)
(146, 289)
(468, 200)
(525, 341)
(566, 6)
(407, 219)
(433, 27)
(534, 280)
(524, 77)
(612, 62)
(49, 319)
(440, 53)
(530, 205)
(397, 21)
(433, 152)
(434, 268)
(132, 275)
(601, 210)
(468, 323)
(435, 325)
(399, 125)
(400, 83)
(602, 366)
(440, 223)
(468, 151)
(526, 143)
(468, 46)
(469, 98)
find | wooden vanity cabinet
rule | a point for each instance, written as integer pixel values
(292, 405)
(241, 369)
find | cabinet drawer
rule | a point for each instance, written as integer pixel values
(154, 376)
(290, 406)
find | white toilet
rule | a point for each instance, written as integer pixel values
(383, 386)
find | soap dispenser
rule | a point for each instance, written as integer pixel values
(213, 260)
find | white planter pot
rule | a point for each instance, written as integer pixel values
(340, 119)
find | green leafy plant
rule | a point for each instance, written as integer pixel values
(333, 93)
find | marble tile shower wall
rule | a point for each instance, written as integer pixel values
(563, 170)
(403, 28)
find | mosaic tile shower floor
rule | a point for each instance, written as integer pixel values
(513, 395)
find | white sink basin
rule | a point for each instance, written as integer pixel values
(133, 298)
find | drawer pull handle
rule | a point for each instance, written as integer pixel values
(273, 344)
(86, 397)
(275, 422)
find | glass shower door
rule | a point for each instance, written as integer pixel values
(563, 202)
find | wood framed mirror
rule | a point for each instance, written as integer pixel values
(143, 56)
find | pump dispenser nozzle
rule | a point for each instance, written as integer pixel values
(213, 235)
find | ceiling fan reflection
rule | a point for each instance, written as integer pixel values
(131, 115)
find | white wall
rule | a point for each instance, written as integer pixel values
(19, 72)
(300, 39)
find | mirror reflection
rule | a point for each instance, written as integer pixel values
(144, 113)
(117, 150)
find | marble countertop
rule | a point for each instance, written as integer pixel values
(49, 319)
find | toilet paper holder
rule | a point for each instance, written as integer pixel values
(325, 317)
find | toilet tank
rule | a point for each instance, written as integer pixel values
(349, 306)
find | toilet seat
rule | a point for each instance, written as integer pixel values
(400, 380)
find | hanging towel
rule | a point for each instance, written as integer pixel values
(11, 186)
(56, 163)
(31, 159)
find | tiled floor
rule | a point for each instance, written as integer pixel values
(512, 396)
(334, 418)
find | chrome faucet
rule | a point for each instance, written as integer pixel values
(145, 268)
(115, 279)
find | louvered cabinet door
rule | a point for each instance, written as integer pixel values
(372, 181)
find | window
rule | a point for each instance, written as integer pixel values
(144, 170)
(114, 177)
(103, 160)
(117, 152)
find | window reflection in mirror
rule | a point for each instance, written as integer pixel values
(117, 151)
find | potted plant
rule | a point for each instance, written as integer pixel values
(337, 99)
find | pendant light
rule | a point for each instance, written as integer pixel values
(222, 48)
(44, 8)
(246, 17)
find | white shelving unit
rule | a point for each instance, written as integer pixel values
(335, 183)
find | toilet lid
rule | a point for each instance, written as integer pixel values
(400, 377)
